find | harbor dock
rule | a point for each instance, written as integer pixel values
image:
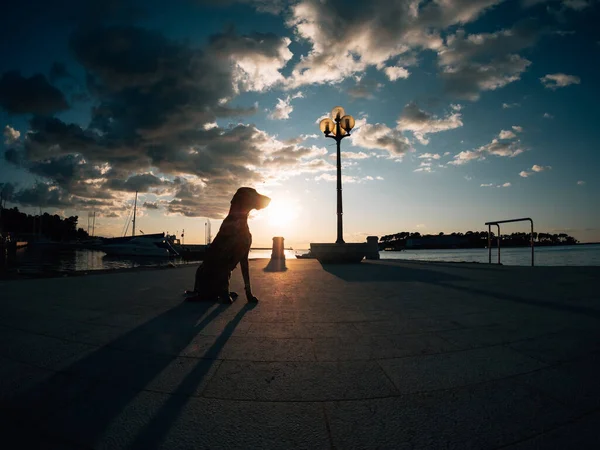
(382, 354)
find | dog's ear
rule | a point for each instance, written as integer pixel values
(242, 197)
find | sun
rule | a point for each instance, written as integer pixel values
(281, 213)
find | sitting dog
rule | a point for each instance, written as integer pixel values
(230, 247)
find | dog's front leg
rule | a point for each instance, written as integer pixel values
(246, 275)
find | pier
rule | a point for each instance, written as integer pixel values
(382, 354)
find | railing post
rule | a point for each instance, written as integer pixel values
(532, 257)
(498, 239)
(489, 243)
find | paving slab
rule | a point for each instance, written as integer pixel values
(383, 354)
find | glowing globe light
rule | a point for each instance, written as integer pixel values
(327, 126)
(347, 123)
(337, 113)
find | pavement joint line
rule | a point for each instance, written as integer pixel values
(201, 358)
(328, 426)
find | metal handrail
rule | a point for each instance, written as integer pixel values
(497, 223)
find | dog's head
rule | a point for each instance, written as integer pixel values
(247, 199)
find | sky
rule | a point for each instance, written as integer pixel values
(467, 111)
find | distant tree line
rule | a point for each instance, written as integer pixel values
(52, 227)
(470, 239)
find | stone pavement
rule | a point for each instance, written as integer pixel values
(382, 354)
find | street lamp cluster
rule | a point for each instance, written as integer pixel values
(338, 127)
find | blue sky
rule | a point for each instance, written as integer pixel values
(467, 111)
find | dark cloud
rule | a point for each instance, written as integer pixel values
(136, 183)
(58, 71)
(42, 195)
(22, 95)
(150, 205)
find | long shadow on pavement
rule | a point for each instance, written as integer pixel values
(155, 431)
(123, 362)
(374, 272)
(583, 310)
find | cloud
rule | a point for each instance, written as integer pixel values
(517, 128)
(524, 174)
(380, 137)
(153, 124)
(487, 61)
(10, 135)
(548, 116)
(364, 88)
(505, 185)
(354, 155)
(58, 71)
(421, 123)
(429, 156)
(537, 168)
(22, 95)
(506, 145)
(394, 73)
(510, 105)
(557, 80)
(467, 81)
(576, 5)
(344, 41)
(264, 6)
(345, 178)
(283, 108)
(507, 134)
(151, 205)
(581, 182)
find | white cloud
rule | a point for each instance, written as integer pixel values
(393, 73)
(507, 134)
(344, 41)
(506, 145)
(537, 168)
(345, 178)
(421, 123)
(429, 156)
(381, 137)
(510, 105)
(10, 135)
(517, 128)
(505, 185)
(557, 80)
(353, 155)
(423, 169)
(548, 116)
(284, 108)
(581, 182)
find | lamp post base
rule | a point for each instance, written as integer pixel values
(339, 253)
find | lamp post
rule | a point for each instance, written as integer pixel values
(338, 129)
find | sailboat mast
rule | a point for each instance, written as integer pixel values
(134, 211)
(94, 223)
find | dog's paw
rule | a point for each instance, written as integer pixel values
(189, 292)
(251, 298)
(233, 295)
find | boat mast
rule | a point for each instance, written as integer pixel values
(94, 223)
(134, 211)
